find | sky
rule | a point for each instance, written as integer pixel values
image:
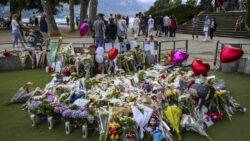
(154, 0)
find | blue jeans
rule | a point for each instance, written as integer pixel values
(16, 35)
(99, 41)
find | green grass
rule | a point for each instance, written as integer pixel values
(15, 124)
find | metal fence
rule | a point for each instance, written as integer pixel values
(171, 45)
(220, 45)
(160, 46)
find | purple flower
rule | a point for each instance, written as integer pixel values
(63, 108)
(83, 114)
(36, 104)
(67, 113)
(75, 114)
(50, 97)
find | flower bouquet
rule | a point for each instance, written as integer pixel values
(128, 128)
(173, 116)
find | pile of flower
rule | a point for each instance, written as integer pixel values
(158, 103)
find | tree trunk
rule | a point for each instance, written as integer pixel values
(83, 10)
(92, 10)
(48, 10)
(71, 15)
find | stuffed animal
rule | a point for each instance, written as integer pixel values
(114, 131)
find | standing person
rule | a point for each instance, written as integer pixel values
(19, 21)
(67, 20)
(195, 24)
(166, 23)
(111, 17)
(217, 6)
(16, 34)
(44, 29)
(127, 21)
(159, 25)
(111, 31)
(36, 21)
(213, 27)
(99, 29)
(151, 23)
(121, 28)
(136, 26)
(77, 21)
(206, 28)
(141, 26)
(31, 21)
(173, 25)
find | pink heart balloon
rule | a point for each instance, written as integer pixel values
(84, 28)
(179, 56)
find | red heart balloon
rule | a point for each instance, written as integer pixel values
(230, 54)
(199, 67)
(112, 53)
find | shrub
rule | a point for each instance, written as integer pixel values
(182, 13)
(248, 13)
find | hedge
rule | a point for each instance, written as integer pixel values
(182, 13)
(248, 13)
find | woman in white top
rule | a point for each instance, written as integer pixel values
(151, 23)
(16, 34)
(136, 26)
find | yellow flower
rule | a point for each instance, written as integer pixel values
(173, 115)
(171, 92)
(220, 92)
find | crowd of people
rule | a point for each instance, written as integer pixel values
(34, 21)
(5, 22)
(229, 5)
(147, 24)
(239, 24)
(18, 28)
(210, 26)
(117, 27)
(108, 31)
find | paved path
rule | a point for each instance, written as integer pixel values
(197, 48)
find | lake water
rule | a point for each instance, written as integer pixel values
(62, 21)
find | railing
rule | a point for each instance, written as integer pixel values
(220, 45)
(159, 46)
(173, 47)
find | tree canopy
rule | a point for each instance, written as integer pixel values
(19, 5)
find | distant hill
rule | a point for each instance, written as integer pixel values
(125, 7)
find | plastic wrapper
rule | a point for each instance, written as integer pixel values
(189, 123)
(173, 116)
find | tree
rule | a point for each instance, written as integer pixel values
(48, 9)
(83, 10)
(177, 2)
(72, 15)
(206, 4)
(160, 5)
(248, 13)
(92, 10)
(191, 3)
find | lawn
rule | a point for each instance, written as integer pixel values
(15, 124)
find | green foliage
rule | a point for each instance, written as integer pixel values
(19, 5)
(160, 4)
(191, 3)
(177, 2)
(248, 13)
(206, 5)
(180, 12)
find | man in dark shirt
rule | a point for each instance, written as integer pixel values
(159, 25)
